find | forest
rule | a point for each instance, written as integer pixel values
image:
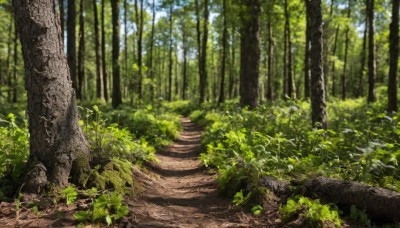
(199, 113)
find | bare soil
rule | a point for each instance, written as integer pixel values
(176, 192)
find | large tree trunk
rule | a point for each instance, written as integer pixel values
(318, 104)
(394, 57)
(380, 204)
(250, 53)
(81, 53)
(346, 49)
(224, 52)
(203, 76)
(116, 91)
(199, 53)
(99, 91)
(71, 42)
(103, 52)
(371, 53)
(57, 144)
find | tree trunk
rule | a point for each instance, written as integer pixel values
(360, 90)
(57, 144)
(8, 60)
(378, 203)
(15, 83)
(346, 49)
(71, 42)
(199, 53)
(289, 52)
(394, 57)
(371, 53)
(125, 47)
(318, 104)
(232, 67)
(61, 6)
(334, 62)
(270, 93)
(307, 60)
(224, 52)
(81, 53)
(169, 95)
(139, 21)
(99, 91)
(103, 52)
(185, 51)
(151, 70)
(250, 53)
(116, 91)
(203, 76)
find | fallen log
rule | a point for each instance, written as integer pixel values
(380, 204)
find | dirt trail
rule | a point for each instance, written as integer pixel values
(185, 194)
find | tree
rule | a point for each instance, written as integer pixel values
(151, 70)
(103, 52)
(71, 41)
(57, 144)
(371, 52)
(139, 22)
(81, 52)
(346, 49)
(250, 53)
(116, 89)
(203, 53)
(394, 57)
(99, 91)
(318, 104)
(224, 54)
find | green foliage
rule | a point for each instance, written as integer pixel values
(314, 213)
(106, 208)
(69, 194)
(359, 216)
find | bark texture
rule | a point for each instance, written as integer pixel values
(71, 41)
(103, 52)
(394, 57)
(318, 103)
(250, 53)
(56, 139)
(203, 61)
(116, 89)
(371, 53)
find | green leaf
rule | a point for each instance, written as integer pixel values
(82, 215)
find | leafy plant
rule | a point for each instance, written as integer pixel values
(69, 194)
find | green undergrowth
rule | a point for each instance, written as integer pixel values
(361, 144)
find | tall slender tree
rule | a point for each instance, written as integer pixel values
(151, 70)
(103, 52)
(57, 144)
(394, 57)
(307, 59)
(221, 98)
(203, 61)
(250, 53)
(171, 61)
(81, 52)
(371, 52)
(318, 103)
(14, 84)
(346, 50)
(116, 88)
(99, 91)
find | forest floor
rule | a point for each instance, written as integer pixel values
(180, 192)
(176, 192)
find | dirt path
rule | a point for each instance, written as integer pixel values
(185, 194)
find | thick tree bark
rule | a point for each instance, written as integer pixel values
(318, 103)
(57, 144)
(380, 204)
(99, 91)
(103, 52)
(371, 53)
(203, 76)
(224, 53)
(250, 53)
(116, 91)
(71, 42)
(346, 49)
(270, 91)
(394, 57)
(81, 53)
